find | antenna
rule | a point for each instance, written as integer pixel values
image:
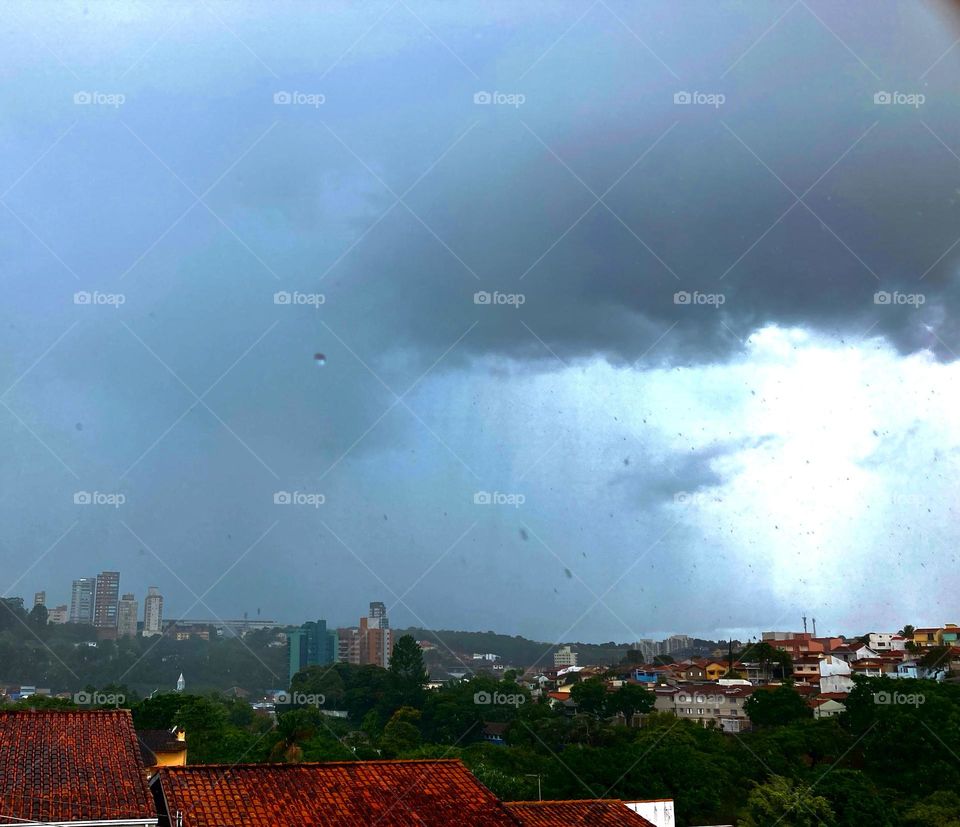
(804, 624)
(814, 627)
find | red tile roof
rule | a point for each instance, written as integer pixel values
(599, 812)
(71, 766)
(426, 793)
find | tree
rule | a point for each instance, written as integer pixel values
(941, 809)
(408, 676)
(907, 631)
(776, 707)
(590, 696)
(38, 616)
(630, 699)
(780, 801)
(401, 734)
(663, 660)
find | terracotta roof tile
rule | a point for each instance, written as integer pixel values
(596, 813)
(428, 793)
(71, 766)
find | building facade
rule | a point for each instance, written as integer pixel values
(313, 644)
(376, 637)
(152, 612)
(81, 600)
(564, 656)
(106, 598)
(127, 611)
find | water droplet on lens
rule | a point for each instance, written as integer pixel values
(319, 359)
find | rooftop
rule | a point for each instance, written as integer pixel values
(71, 766)
(428, 793)
(598, 812)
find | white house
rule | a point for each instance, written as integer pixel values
(835, 675)
(886, 642)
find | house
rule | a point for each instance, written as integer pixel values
(68, 767)
(886, 642)
(708, 704)
(658, 811)
(715, 670)
(835, 675)
(599, 812)
(855, 650)
(807, 669)
(828, 706)
(162, 748)
(928, 636)
(429, 793)
(914, 669)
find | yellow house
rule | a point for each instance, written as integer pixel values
(715, 670)
(930, 636)
(162, 748)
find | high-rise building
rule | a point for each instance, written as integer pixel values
(105, 603)
(40, 599)
(127, 610)
(313, 644)
(564, 656)
(152, 612)
(348, 645)
(81, 600)
(376, 637)
(677, 643)
(59, 614)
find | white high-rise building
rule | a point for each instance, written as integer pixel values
(81, 600)
(152, 612)
(564, 656)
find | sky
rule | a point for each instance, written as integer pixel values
(584, 321)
